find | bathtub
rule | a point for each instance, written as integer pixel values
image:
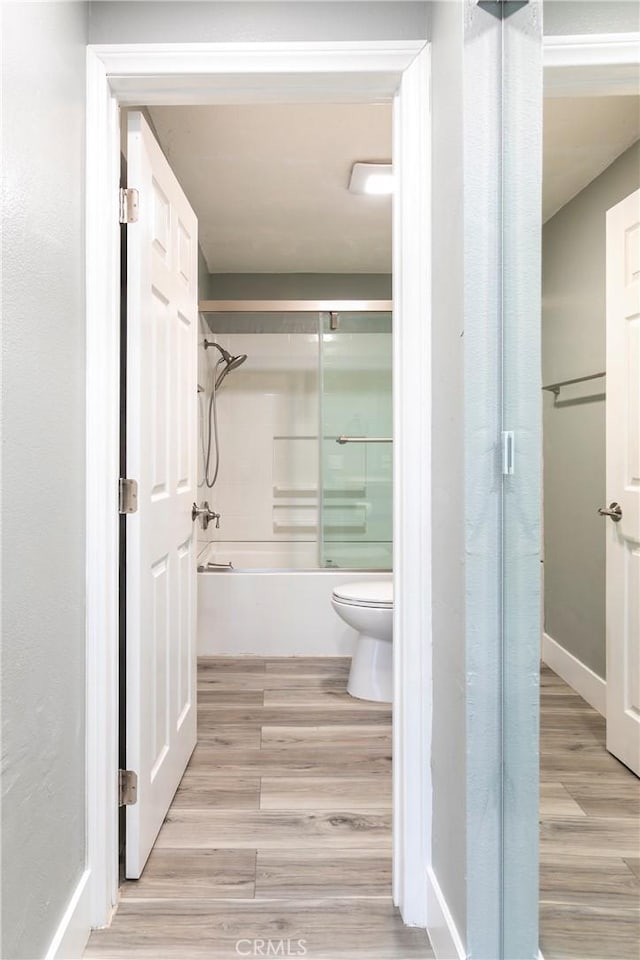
(262, 609)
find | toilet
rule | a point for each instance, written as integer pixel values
(368, 608)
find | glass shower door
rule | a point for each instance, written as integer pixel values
(356, 474)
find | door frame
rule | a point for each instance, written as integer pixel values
(591, 65)
(188, 73)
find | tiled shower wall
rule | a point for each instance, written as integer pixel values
(268, 417)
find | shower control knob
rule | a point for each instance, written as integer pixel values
(206, 514)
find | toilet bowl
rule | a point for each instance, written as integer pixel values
(368, 608)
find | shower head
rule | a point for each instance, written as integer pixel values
(234, 362)
(231, 364)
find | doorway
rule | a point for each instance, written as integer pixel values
(102, 165)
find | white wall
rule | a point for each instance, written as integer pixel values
(43, 731)
(268, 416)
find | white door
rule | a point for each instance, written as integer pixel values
(623, 481)
(162, 312)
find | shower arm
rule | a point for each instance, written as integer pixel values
(226, 356)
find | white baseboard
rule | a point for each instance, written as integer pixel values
(446, 942)
(74, 928)
(581, 678)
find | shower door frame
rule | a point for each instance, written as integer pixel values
(191, 73)
(319, 308)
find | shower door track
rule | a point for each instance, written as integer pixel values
(295, 306)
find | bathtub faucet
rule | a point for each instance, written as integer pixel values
(206, 515)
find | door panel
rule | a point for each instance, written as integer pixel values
(623, 481)
(162, 314)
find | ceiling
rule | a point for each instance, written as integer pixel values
(269, 182)
(582, 136)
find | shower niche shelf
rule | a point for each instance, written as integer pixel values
(348, 518)
(292, 493)
(346, 492)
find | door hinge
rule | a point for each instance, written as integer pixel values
(508, 441)
(127, 495)
(127, 788)
(129, 200)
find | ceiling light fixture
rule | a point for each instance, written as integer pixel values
(372, 178)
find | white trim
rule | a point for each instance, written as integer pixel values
(102, 466)
(74, 928)
(577, 674)
(412, 493)
(592, 65)
(261, 72)
(243, 71)
(446, 941)
(186, 59)
(591, 49)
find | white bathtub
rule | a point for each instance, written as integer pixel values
(259, 608)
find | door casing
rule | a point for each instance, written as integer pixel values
(182, 73)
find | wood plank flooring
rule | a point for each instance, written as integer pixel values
(589, 835)
(280, 830)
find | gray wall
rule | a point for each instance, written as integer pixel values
(43, 776)
(203, 276)
(124, 21)
(448, 756)
(299, 286)
(564, 17)
(573, 345)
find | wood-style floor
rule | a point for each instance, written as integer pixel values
(280, 830)
(590, 835)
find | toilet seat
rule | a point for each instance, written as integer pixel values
(375, 594)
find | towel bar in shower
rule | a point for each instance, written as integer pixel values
(364, 439)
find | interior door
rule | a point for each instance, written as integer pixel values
(162, 311)
(623, 481)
